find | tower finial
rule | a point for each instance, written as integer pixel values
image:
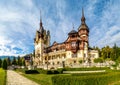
(83, 18)
(41, 26)
(73, 25)
(82, 12)
(40, 19)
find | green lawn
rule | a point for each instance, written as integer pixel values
(46, 79)
(2, 76)
(42, 79)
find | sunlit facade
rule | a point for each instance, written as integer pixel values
(70, 52)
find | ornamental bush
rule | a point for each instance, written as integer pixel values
(89, 74)
(48, 71)
(98, 60)
(31, 72)
(85, 69)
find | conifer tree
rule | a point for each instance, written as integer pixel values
(14, 62)
(0, 63)
(8, 61)
(4, 64)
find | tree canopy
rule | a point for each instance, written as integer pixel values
(109, 53)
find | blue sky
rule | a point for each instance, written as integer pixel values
(19, 20)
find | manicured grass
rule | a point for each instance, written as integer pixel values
(42, 79)
(86, 69)
(99, 79)
(2, 76)
(46, 79)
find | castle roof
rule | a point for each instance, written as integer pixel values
(72, 32)
(83, 25)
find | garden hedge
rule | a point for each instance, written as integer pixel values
(85, 69)
(103, 79)
(31, 72)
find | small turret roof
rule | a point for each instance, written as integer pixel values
(72, 32)
(83, 25)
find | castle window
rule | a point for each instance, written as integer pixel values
(45, 58)
(85, 45)
(48, 58)
(53, 63)
(84, 55)
(58, 62)
(93, 55)
(73, 44)
(74, 62)
(73, 36)
(74, 55)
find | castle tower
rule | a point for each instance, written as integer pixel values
(41, 41)
(83, 33)
(39, 44)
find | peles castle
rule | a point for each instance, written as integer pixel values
(72, 51)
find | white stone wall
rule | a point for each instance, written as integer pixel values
(80, 54)
(94, 53)
(68, 54)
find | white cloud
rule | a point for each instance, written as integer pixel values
(19, 21)
(106, 30)
(14, 31)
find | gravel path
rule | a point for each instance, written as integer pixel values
(14, 78)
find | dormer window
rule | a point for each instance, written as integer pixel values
(73, 36)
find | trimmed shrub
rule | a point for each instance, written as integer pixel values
(85, 69)
(60, 70)
(48, 71)
(86, 80)
(98, 60)
(89, 74)
(56, 72)
(52, 72)
(31, 72)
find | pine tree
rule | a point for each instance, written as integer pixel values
(14, 62)
(23, 62)
(8, 61)
(18, 60)
(0, 63)
(4, 64)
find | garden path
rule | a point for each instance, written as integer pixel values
(14, 78)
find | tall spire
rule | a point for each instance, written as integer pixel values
(41, 26)
(73, 26)
(83, 18)
(40, 19)
(83, 24)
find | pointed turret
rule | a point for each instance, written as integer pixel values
(83, 25)
(41, 26)
(40, 19)
(83, 18)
